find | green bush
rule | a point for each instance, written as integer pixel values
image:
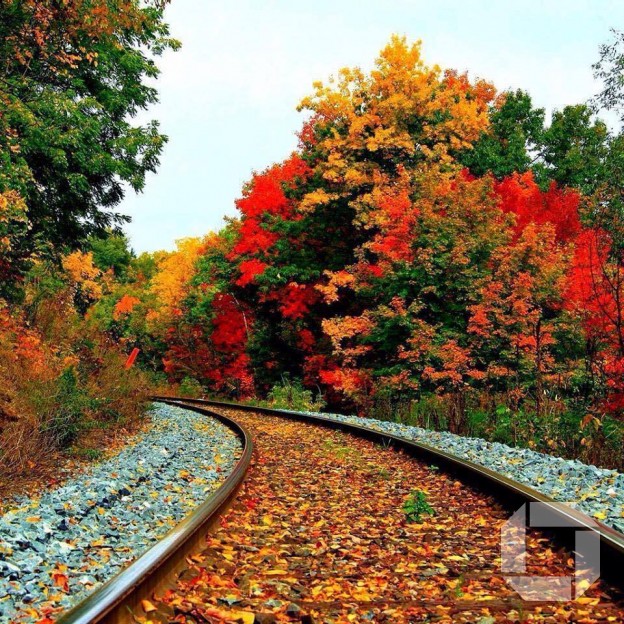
(64, 421)
(191, 388)
(416, 506)
(292, 395)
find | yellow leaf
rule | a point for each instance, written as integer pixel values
(246, 617)
(147, 606)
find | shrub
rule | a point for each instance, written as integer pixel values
(191, 388)
(70, 403)
(59, 378)
(292, 395)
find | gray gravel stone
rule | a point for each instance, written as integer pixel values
(100, 520)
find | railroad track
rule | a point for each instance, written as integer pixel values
(119, 598)
(116, 600)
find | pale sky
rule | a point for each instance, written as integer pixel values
(229, 97)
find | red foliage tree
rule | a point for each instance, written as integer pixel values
(521, 195)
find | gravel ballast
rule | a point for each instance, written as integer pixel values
(598, 492)
(57, 548)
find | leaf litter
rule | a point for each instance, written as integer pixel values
(319, 533)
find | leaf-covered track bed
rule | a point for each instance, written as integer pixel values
(57, 548)
(319, 533)
(598, 492)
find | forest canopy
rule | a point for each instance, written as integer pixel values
(433, 246)
(434, 250)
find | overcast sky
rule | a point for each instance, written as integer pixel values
(228, 98)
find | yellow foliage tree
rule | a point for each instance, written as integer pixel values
(402, 112)
(174, 271)
(85, 275)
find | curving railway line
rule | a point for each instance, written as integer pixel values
(408, 593)
(117, 599)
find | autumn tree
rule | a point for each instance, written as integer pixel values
(173, 272)
(210, 328)
(332, 208)
(516, 323)
(596, 290)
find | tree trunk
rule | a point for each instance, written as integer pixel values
(457, 411)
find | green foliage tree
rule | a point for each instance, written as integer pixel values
(515, 133)
(573, 149)
(72, 77)
(111, 252)
(570, 151)
(610, 71)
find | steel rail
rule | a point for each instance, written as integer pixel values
(508, 491)
(120, 597)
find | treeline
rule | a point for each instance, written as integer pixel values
(72, 76)
(433, 251)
